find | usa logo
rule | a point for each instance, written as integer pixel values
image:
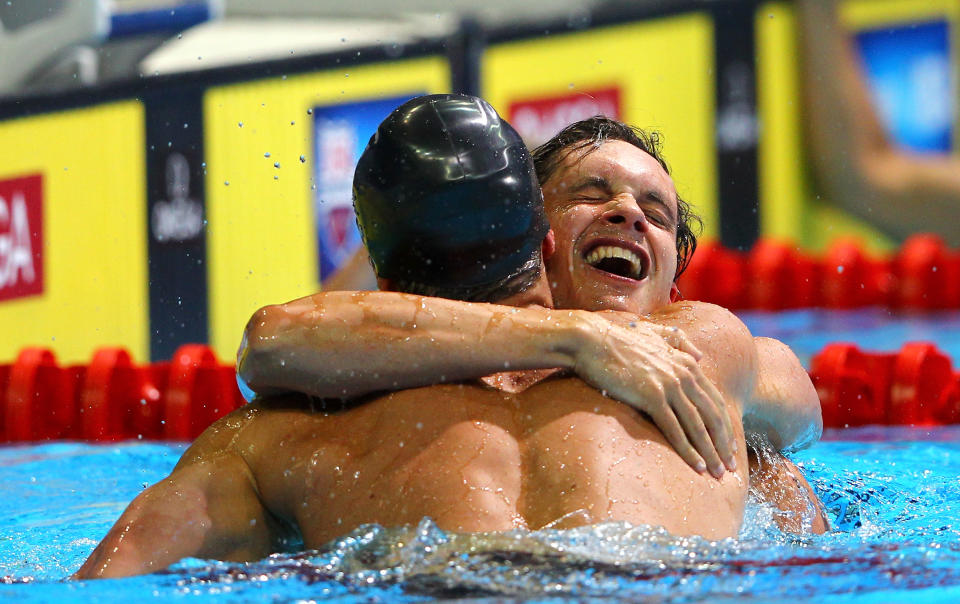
(21, 237)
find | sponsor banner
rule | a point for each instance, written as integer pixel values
(73, 189)
(21, 237)
(539, 119)
(176, 222)
(737, 130)
(341, 133)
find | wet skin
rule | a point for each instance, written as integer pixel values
(616, 195)
(475, 459)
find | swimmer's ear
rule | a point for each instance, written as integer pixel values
(385, 285)
(549, 245)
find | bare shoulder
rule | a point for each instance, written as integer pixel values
(707, 325)
(786, 393)
(257, 424)
(781, 371)
(730, 352)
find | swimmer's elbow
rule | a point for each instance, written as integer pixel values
(258, 353)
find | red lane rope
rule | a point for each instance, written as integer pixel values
(923, 274)
(112, 398)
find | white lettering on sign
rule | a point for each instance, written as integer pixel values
(337, 143)
(180, 218)
(16, 253)
(538, 119)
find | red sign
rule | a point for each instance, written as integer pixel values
(339, 221)
(21, 237)
(538, 119)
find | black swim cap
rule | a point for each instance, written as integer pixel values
(446, 196)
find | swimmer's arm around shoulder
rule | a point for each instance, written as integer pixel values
(776, 397)
(207, 508)
(347, 344)
(785, 406)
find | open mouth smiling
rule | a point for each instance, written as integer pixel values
(619, 260)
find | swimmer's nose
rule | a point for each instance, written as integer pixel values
(625, 211)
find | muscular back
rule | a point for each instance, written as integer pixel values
(477, 459)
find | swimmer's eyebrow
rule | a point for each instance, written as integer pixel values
(592, 182)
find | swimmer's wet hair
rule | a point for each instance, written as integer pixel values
(593, 132)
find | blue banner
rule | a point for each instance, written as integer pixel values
(910, 73)
(341, 133)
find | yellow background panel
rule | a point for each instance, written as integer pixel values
(261, 241)
(664, 70)
(94, 231)
(790, 208)
(869, 14)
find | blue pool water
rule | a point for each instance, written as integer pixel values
(892, 495)
(873, 329)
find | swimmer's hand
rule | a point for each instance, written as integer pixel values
(655, 369)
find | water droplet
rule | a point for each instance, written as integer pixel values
(276, 164)
(267, 154)
(240, 124)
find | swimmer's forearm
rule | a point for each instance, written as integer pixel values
(347, 344)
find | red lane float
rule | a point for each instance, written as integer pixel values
(924, 275)
(715, 274)
(112, 398)
(915, 386)
(119, 399)
(39, 399)
(198, 392)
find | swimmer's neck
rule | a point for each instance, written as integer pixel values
(537, 294)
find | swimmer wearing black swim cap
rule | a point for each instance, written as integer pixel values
(447, 201)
